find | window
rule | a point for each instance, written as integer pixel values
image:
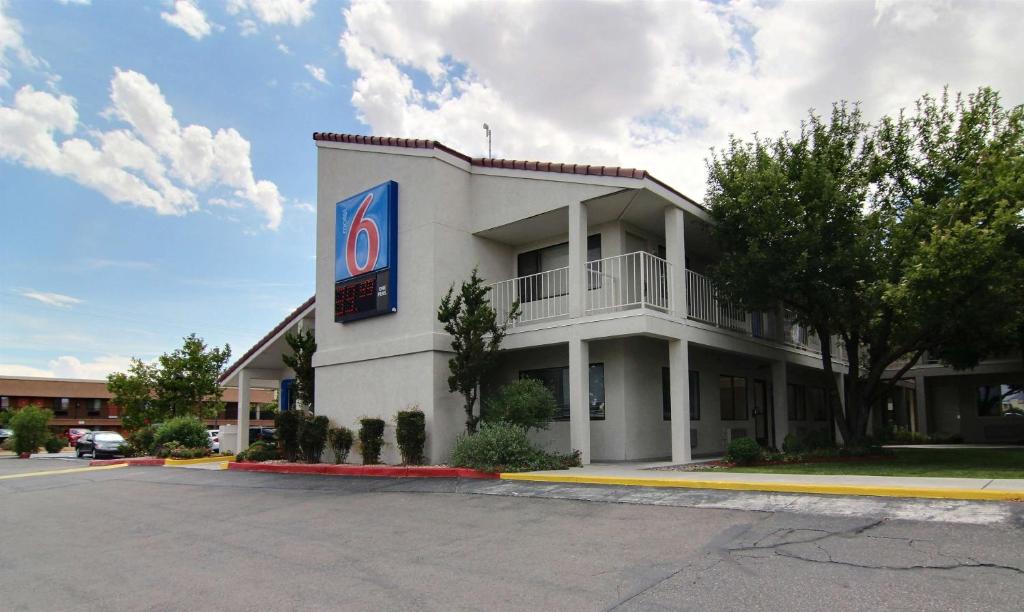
(732, 398)
(61, 404)
(5, 403)
(816, 407)
(666, 395)
(1001, 400)
(796, 402)
(547, 259)
(557, 380)
(95, 406)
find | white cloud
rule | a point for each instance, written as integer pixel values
(283, 48)
(51, 299)
(248, 27)
(317, 73)
(12, 46)
(654, 85)
(275, 12)
(189, 18)
(67, 366)
(155, 162)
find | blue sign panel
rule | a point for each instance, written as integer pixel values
(366, 253)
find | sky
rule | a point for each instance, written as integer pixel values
(158, 177)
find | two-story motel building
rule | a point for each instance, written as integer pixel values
(617, 318)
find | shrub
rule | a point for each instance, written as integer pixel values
(411, 435)
(792, 445)
(174, 450)
(371, 439)
(313, 437)
(186, 431)
(340, 439)
(258, 451)
(55, 444)
(31, 428)
(525, 402)
(141, 441)
(743, 451)
(504, 447)
(288, 423)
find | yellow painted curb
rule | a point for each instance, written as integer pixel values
(67, 471)
(217, 459)
(777, 487)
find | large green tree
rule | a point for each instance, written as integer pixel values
(132, 393)
(898, 239)
(476, 336)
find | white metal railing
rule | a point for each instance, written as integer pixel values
(632, 280)
(540, 296)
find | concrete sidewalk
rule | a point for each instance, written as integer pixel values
(885, 486)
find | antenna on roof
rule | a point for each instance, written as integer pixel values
(487, 131)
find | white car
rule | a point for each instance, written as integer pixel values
(214, 439)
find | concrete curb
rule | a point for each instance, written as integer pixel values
(213, 459)
(777, 487)
(378, 471)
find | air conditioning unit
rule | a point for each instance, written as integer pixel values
(733, 433)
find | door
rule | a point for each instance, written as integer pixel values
(763, 417)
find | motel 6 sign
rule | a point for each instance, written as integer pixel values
(366, 254)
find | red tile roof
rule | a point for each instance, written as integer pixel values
(506, 164)
(295, 314)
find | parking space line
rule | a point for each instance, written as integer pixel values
(67, 471)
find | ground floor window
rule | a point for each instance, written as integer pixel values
(1001, 400)
(796, 402)
(557, 380)
(732, 398)
(816, 407)
(666, 395)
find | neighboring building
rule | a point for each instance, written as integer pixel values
(981, 405)
(86, 403)
(617, 317)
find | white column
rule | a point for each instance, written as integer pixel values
(779, 402)
(244, 380)
(579, 397)
(577, 258)
(840, 409)
(675, 254)
(920, 404)
(679, 399)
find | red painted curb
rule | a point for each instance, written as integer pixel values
(128, 461)
(379, 471)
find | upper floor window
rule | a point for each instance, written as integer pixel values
(557, 381)
(733, 398)
(1001, 400)
(95, 405)
(666, 395)
(61, 405)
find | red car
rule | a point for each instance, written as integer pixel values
(75, 433)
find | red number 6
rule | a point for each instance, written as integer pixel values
(361, 224)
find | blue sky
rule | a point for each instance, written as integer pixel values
(157, 172)
(142, 280)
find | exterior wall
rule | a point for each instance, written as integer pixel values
(952, 404)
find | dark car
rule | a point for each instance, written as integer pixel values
(99, 443)
(264, 434)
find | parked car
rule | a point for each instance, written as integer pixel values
(75, 433)
(266, 434)
(98, 443)
(214, 439)
(4, 434)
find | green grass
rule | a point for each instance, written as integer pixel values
(949, 463)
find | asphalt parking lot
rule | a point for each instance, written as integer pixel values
(138, 538)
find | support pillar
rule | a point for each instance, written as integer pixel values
(679, 399)
(675, 253)
(841, 407)
(244, 382)
(920, 404)
(780, 402)
(577, 259)
(579, 397)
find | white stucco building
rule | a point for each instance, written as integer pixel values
(617, 318)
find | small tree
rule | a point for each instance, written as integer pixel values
(476, 337)
(301, 361)
(31, 428)
(525, 402)
(186, 381)
(132, 392)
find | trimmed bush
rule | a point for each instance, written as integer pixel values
(313, 437)
(141, 442)
(340, 439)
(258, 451)
(792, 445)
(743, 451)
(411, 435)
(55, 444)
(504, 447)
(31, 428)
(174, 450)
(186, 431)
(371, 439)
(525, 402)
(288, 424)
